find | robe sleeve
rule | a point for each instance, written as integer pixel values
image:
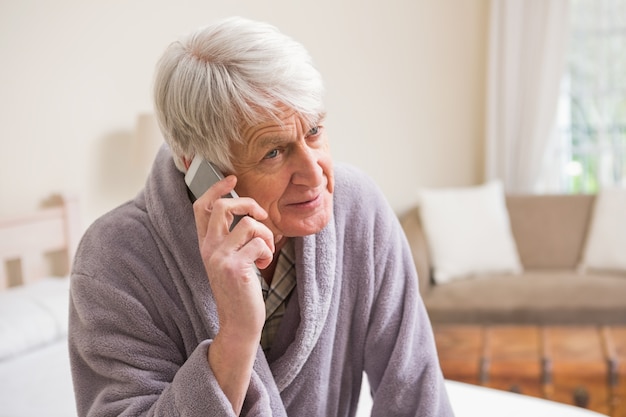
(400, 355)
(124, 364)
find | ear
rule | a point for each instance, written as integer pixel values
(186, 162)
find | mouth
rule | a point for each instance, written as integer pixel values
(307, 202)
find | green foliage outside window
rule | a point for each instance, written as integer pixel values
(594, 129)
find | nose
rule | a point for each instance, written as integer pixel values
(306, 168)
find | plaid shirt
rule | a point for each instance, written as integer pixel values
(277, 294)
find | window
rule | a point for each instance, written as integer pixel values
(591, 147)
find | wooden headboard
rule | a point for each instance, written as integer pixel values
(40, 244)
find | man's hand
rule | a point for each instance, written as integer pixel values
(229, 259)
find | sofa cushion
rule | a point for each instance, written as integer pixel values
(550, 230)
(536, 297)
(605, 248)
(468, 231)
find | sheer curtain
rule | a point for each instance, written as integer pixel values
(527, 49)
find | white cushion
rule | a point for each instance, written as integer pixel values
(33, 315)
(468, 232)
(605, 247)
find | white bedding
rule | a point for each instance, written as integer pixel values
(33, 315)
(475, 401)
(37, 383)
(35, 375)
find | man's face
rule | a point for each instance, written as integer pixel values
(287, 169)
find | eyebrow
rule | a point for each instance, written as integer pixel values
(274, 139)
(270, 141)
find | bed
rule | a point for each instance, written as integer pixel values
(36, 253)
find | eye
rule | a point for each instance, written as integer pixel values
(314, 131)
(272, 154)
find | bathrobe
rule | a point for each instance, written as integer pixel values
(142, 315)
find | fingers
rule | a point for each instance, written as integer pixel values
(203, 206)
(257, 239)
(214, 216)
(211, 205)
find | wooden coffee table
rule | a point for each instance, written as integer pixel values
(579, 365)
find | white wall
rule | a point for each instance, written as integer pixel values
(405, 81)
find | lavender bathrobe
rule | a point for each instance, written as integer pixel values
(142, 315)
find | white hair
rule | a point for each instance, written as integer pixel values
(228, 76)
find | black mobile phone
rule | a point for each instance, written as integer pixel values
(201, 175)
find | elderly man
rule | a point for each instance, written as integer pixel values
(175, 311)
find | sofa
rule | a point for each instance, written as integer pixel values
(551, 234)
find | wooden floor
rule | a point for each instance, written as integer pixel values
(579, 365)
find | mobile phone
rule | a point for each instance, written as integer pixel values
(201, 175)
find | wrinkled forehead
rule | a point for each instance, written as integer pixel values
(272, 130)
(282, 117)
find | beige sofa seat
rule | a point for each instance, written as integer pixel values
(550, 232)
(538, 297)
